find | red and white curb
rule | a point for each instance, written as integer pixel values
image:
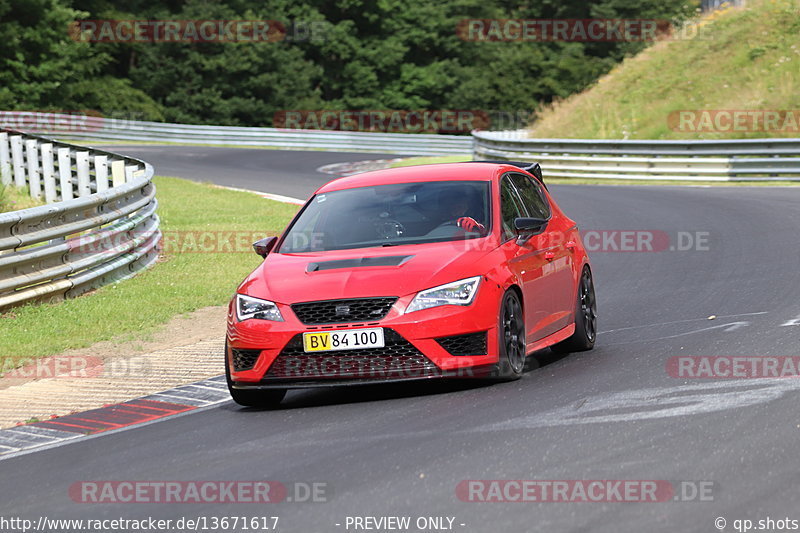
(114, 417)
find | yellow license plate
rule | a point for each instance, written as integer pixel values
(348, 339)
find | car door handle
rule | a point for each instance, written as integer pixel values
(550, 255)
(571, 245)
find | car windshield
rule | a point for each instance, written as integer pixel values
(386, 215)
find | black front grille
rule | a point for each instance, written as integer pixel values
(244, 359)
(398, 359)
(469, 344)
(340, 311)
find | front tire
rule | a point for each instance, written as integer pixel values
(252, 398)
(511, 337)
(585, 318)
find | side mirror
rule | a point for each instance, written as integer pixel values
(264, 246)
(529, 226)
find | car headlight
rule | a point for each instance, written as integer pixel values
(249, 307)
(460, 292)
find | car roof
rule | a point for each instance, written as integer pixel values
(420, 173)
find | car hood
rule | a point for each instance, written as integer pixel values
(364, 272)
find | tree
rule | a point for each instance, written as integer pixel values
(43, 68)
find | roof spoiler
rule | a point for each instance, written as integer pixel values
(533, 168)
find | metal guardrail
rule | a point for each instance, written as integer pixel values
(110, 129)
(100, 224)
(716, 160)
(713, 160)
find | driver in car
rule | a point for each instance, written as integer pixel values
(455, 208)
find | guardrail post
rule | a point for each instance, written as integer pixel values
(118, 173)
(5, 160)
(129, 171)
(48, 173)
(101, 172)
(65, 173)
(32, 157)
(18, 161)
(84, 180)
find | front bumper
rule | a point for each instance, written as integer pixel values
(412, 351)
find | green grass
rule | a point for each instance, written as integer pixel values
(431, 160)
(15, 198)
(131, 310)
(743, 59)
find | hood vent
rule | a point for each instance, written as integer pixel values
(392, 260)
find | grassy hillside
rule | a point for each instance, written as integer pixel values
(741, 59)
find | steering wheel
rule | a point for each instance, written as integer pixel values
(454, 223)
(389, 229)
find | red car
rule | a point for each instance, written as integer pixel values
(435, 271)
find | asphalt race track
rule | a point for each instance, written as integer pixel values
(614, 413)
(275, 171)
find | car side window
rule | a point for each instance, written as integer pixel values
(532, 196)
(510, 207)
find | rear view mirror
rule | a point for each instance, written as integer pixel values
(529, 226)
(264, 246)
